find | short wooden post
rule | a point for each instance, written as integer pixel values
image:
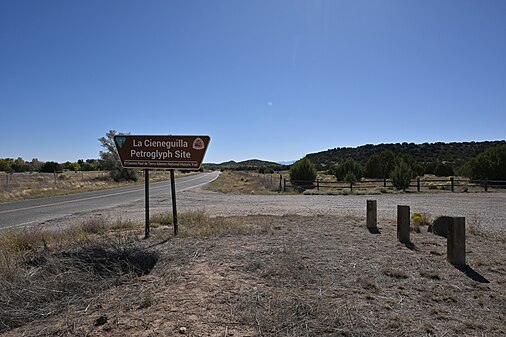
(418, 184)
(351, 186)
(385, 182)
(486, 184)
(452, 182)
(372, 214)
(280, 182)
(403, 223)
(317, 184)
(456, 243)
(284, 184)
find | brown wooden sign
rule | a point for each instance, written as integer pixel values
(162, 152)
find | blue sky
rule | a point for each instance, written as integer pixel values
(265, 79)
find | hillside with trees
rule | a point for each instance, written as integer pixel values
(478, 161)
(246, 165)
(454, 153)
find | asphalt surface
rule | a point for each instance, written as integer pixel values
(36, 211)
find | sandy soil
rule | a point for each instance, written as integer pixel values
(299, 276)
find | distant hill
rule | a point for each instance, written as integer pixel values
(290, 162)
(456, 153)
(251, 164)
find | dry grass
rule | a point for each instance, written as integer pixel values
(234, 182)
(42, 273)
(293, 276)
(198, 224)
(19, 186)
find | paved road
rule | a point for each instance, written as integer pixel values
(35, 211)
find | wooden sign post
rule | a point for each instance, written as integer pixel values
(161, 152)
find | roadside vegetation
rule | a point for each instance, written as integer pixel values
(303, 173)
(236, 182)
(45, 272)
(19, 186)
(248, 275)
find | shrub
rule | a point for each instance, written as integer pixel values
(345, 191)
(443, 170)
(350, 177)
(419, 219)
(490, 164)
(387, 162)
(303, 173)
(71, 166)
(373, 167)
(110, 159)
(50, 167)
(401, 175)
(346, 167)
(120, 174)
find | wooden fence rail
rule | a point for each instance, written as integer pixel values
(451, 184)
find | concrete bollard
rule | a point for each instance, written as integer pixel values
(456, 243)
(372, 214)
(403, 223)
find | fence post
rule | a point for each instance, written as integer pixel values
(280, 182)
(372, 214)
(284, 184)
(317, 184)
(452, 181)
(384, 182)
(456, 243)
(403, 223)
(486, 184)
(418, 184)
(351, 186)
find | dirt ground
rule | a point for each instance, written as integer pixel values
(292, 275)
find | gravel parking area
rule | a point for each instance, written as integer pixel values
(484, 210)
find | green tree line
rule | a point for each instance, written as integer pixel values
(490, 164)
(401, 168)
(456, 153)
(10, 165)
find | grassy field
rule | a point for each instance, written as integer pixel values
(20, 186)
(236, 182)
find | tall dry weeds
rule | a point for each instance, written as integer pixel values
(41, 273)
